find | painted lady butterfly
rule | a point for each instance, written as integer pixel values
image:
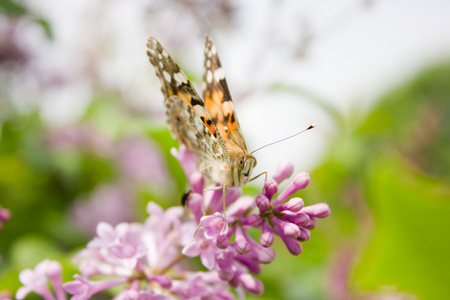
(209, 128)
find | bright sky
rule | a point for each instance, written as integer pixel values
(357, 51)
(357, 54)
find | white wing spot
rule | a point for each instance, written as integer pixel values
(219, 74)
(200, 111)
(179, 78)
(165, 54)
(213, 50)
(208, 63)
(167, 76)
(209, 76)
(161, 65)
(209, 54)
(159, 56)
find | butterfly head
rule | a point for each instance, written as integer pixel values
(243, 167)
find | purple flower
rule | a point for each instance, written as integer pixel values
(214, 225)
(133, 252)
(202, 285)
(134, 292)
(106, 203)
(147, 260)
(37, 281)
(83, 288)
(203, 247)
(234, 261)
(84, 137)
(5, 295)
(5, 215)
(140, 161)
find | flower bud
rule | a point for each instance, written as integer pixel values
(300, 182)
(294, 205)
(241, 245)
(284, 171)
(251, 284)
(319, 210)
(289, 229)
(270, 188)
(262, 203)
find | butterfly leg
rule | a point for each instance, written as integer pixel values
(265, 179)
(265, 173)
(224, 187)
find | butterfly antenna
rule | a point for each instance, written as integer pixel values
(310, 127)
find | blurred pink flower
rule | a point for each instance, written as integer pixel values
(107, 203)
(5, 295)
(339, 287)
(141, 161)
(37, 281)
(81, 137)
(5, 215)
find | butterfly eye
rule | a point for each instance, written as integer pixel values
(241, 162)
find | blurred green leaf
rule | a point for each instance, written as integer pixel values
(409, 248)
(12, 8)
(45, 26)
(387, 185)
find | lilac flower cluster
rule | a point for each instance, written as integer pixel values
(234, 261)
(149, 260)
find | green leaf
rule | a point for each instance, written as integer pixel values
(410, 245)
(12, 8)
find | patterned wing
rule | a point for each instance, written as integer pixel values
(187, 116)
(218, 100)
(190, 130)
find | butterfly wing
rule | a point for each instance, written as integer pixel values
(187, 116)
(218, 101)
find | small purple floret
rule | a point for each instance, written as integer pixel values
(284, 171)
(300, 181)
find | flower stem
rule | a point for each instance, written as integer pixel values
(179, 257)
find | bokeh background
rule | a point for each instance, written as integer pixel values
(83, 137)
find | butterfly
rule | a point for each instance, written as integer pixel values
(209, 128)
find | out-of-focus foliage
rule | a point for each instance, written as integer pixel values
(406, 187)
(387, 183)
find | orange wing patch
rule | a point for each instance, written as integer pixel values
(218, 99)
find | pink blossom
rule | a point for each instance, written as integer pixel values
(106, 203)
(5, 215)
(284, 171)
(251, 284)
(288, 218)
(83, 288)
(37, 281)
(140, 161)
(187, 161)
(214, 225)
(122, 245)
(203, 247)
(300, 181)
(149, 256)
(85, 137)
(5, 295)
(202, 285)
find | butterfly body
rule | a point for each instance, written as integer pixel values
(209, 128)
